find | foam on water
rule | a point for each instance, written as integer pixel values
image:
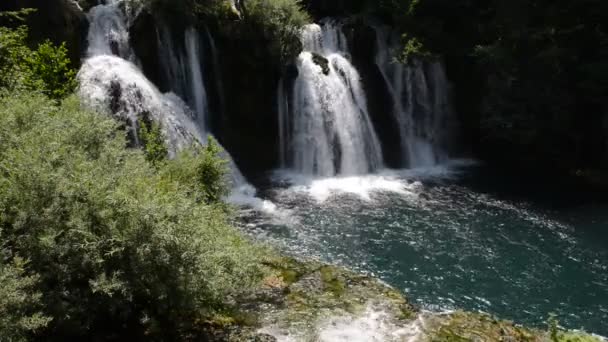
(361, 187)
(402, 182)
(373, 325)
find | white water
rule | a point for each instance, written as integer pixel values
(197, 86)
(182, 68)
(111, 83)
(421, 105)
(328, 131)
(116, 86)
(108, 31)
(372, 325)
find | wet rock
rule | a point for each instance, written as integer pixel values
(143, 38)
(322, 62)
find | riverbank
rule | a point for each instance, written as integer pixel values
(310, 301)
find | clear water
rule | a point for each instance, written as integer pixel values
(448, 245)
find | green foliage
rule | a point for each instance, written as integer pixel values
(19, 303)
(15, 17)
(153, 142)
(279, 19)
(119, 245)
(51, 71)
(414, 49)
(46, 69)
(202, 171)
(220, 10)
(13, 55)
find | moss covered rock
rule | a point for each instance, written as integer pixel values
(310, 301)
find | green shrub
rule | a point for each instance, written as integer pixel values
(202, 172)
(51, 71)
(46, 69)
(153, 142)
(413, 48)
(13, 56)
(119, 246)
(19, 304)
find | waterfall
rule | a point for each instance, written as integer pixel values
(329, 131)
(197, 86)
(283, 111)
(421, 105)
(111, 83)
(108, 32)
(115, 86)
(182, 69)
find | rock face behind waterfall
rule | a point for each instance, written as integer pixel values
(246, 77)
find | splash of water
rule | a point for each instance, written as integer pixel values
(373, 325)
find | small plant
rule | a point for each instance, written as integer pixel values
(153, 142)
(413, 48)
(212, 171)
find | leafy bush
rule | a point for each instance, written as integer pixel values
(46, 69)
(13, 56)
(153, 142)
(413, 49)
(19, 303)
(202, 172)
(120, 247)
(50, 70)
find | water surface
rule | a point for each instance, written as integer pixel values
(449, 245)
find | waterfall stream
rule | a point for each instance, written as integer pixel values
(111, 82)
(421, 106)
(328, 131)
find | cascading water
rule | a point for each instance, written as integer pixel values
(421, 105)
(108, 31)
(328, 131)
(183, 71)
(197, 86)
(110, 82)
